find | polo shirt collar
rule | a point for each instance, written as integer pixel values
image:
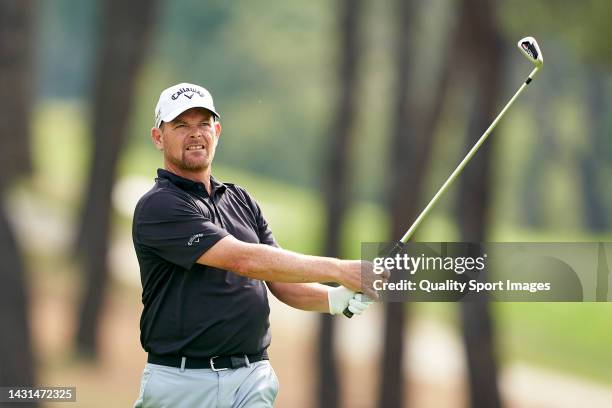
(217, 187)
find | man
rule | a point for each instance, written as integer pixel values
(205, 251)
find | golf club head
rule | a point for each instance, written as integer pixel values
(530, 48)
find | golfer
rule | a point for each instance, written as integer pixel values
(207, 259)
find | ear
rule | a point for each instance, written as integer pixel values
(218, 129)
(158, 138)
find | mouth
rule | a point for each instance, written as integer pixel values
(195, 147)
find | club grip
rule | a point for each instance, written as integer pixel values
(396, 248)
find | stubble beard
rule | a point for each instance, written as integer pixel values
(190, 164)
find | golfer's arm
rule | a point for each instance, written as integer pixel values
(305, 296)
(267, 263)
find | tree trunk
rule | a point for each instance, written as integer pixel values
(336, 184)
(125, 37)
(411, 147)
(15, 76)
(533, 191)
(482, 53)
(391, 388)
(16, 359)
(593, 161)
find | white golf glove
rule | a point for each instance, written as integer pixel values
(340, 297)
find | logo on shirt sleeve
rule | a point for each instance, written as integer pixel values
(195, 239)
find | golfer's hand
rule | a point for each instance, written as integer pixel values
(359, 276)
(340, 298)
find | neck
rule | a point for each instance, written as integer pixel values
(202, 176)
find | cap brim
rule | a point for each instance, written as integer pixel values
(172, 115)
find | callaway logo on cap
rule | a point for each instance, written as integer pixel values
(178, 98)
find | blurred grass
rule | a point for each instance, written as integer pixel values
(575, 338)
(570, 337)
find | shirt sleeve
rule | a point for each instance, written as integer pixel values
(175, 229)
(263, 229)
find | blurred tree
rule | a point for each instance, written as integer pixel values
(595, 158)
(17, 75)
(479, 44)
(16, 22)
(336, 180)
(66, 31)
(16, 360)
(411, 148)
(404, 142)
(126, 31)
(603, 274)
(532, 186)
(585, 27)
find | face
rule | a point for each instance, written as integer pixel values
(189, 141)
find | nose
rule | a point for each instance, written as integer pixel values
(196, 131)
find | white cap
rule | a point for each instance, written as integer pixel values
(178, 98)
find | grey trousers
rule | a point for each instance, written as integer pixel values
(246, 387)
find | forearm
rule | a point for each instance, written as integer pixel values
(268, 263)
(305, 296)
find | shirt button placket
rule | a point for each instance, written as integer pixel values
(217, 213)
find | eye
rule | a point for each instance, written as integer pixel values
(179, 125)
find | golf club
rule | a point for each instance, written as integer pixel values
(529, 47)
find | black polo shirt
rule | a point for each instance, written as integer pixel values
(190, 309)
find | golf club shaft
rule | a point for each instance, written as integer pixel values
(449, 181)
